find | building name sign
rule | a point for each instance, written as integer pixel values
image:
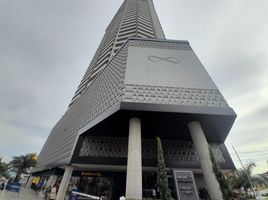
(91, 174)
(173, 60)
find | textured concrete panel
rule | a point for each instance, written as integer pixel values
(116, 147)
(168, 72)
(174, 96)
(166, 67)
(108, 93)
(102, 95)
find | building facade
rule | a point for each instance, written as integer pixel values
(139, 86)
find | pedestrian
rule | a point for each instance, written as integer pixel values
(53, 193)
(40, 186)
(5, 183)
(2, 184)
(72, 188)
(154, 194)
(47, 192)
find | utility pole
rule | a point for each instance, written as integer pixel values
(251, 185)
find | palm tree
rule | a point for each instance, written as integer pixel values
(3, 168)
(21, 164)
(242, 176)
(260, 180)
(264, 179)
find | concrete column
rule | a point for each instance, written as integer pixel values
(64, 183)
(51, 180)
(202, 150)
(29, 182)
(134, 166)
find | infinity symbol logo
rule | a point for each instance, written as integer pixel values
(168, 59)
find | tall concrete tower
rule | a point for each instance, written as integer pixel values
(133, 19)
(139, 86)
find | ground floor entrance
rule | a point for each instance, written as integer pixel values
(112, 185)
(108, 185)
(150, 188)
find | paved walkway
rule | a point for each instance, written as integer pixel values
(25, 194)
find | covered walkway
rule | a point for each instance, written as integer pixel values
(24, 194)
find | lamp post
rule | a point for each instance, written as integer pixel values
(251, 185)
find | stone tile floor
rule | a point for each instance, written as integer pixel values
(24, 194)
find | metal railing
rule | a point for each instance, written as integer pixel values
(87, 196)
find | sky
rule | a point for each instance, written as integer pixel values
(46, 46)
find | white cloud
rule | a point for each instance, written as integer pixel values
(46, 47)
(17, 140)
(230, 38)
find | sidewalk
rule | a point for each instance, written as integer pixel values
(24, 194)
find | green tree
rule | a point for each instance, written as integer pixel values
(263, 179)
(21, 164)
(3, 168)
(162, 180)
(225, 186)
(240, 179)
(260, 180)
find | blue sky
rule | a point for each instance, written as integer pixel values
(46, 46)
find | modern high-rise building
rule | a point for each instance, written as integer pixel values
(139, 86)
